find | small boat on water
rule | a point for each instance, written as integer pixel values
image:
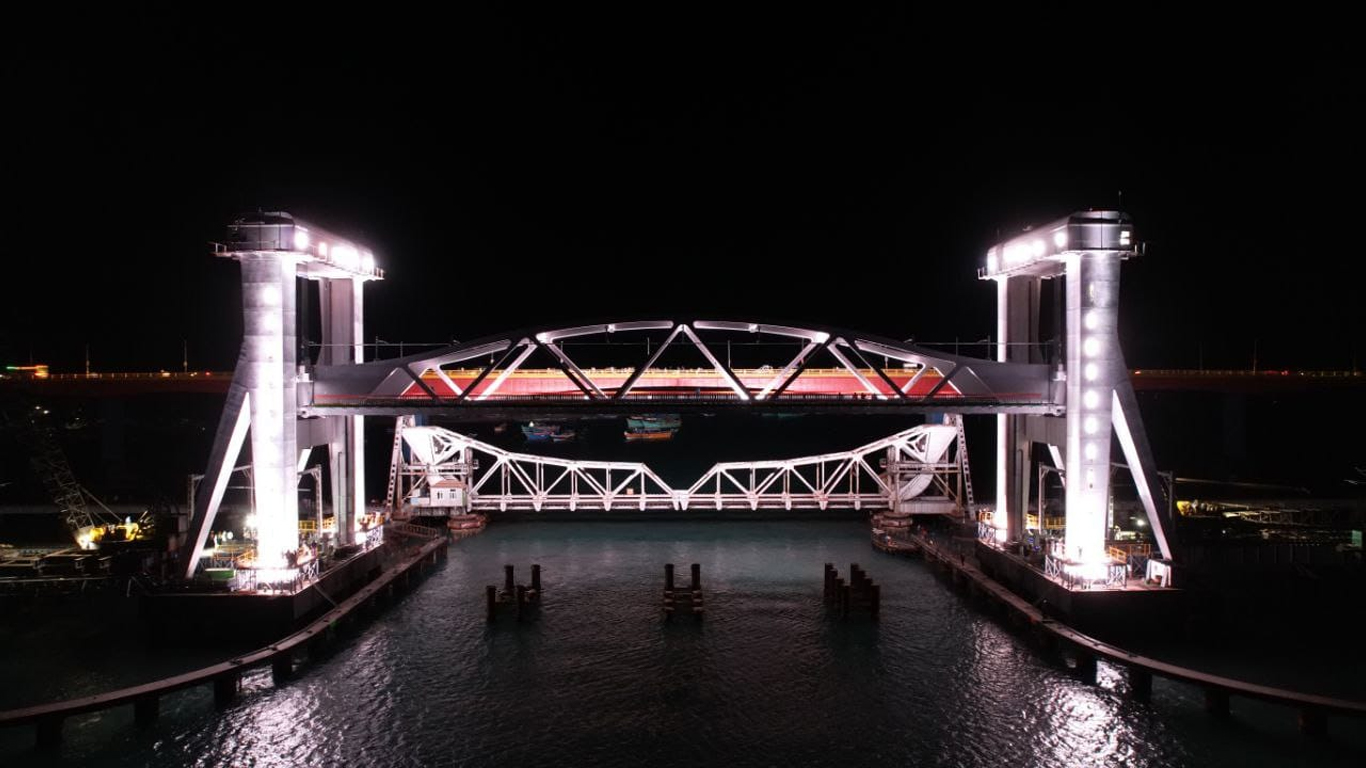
(885, 542)
(650, 435)
(653, 422)
(466, 525)
(540, 433)
(652, 427)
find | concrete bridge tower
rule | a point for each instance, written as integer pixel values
(1085, 250)
(276, 251)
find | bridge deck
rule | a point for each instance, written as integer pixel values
(577, 407)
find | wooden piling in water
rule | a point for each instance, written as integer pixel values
(1140, 683)
(1313, 722)
(50, 731)
(225, 689)
(145, 710)
(1086, 666)
(508, 585)
(859, 592)
(281, 668)
(689, 601)
(1216, 701)
(536, 578)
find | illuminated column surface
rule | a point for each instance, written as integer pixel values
(268, 286)
(357, 451)
(1001, 513)
(343, 338)
(1093, 356)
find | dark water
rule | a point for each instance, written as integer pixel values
(767, 679)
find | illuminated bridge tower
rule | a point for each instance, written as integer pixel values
(1086, 250)
(275, 251)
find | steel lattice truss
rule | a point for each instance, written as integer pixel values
(922, 378)
(912, 471)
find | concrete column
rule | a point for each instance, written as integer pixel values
(343, 339)
(1017, 324)
(269, 348)
(1092, 351)
(357, 422)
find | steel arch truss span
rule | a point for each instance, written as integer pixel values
(914, 471)
(808, 367)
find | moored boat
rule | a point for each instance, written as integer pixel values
(650, 435)
(653, 422)
(534, 432)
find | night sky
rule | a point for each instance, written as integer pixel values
(510, 170)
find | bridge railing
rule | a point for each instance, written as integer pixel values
(1247, 373)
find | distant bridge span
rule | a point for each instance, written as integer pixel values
(918, 470)
(832, 370)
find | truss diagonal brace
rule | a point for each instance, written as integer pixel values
(511, 350)
(844, 361)
(930, 395)
(227, 446)
(721, 368)
(418, 380)
(802, 363)
(573, 371)
(527, 348)
(645, 366)
(891, 385)
(1138, 454)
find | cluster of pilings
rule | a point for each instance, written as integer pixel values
(859, 594)
(524, 598)
(685, 601)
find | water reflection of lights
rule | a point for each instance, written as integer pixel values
(1082, 725)
(1067, 722)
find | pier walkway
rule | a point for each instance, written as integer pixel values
(225, 676)
(962, 567)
